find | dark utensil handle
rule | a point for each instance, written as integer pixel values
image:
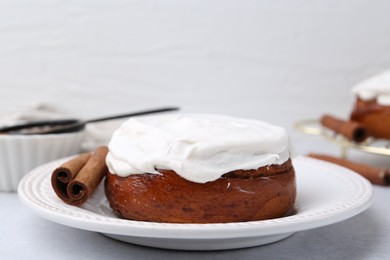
(38, 124)
(81, 124)
(151, 111)
(72, 125)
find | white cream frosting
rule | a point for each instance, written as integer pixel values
(376, 87)
(198, 147)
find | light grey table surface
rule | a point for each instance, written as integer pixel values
(24, 235)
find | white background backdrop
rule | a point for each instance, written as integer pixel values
(279, 61)
(274, 60)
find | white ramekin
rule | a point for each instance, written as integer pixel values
(19, 154)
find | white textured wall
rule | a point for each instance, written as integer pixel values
(273, 60)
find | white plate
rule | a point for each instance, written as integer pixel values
(327, 194)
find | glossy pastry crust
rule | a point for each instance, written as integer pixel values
(242, 195)
(375, 117)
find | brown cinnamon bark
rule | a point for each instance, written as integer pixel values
(375, 175)
(352, 130)
(65, 173)
(76, 180)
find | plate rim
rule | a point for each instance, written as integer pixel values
(110, 225)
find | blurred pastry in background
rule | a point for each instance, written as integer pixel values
(372, 106)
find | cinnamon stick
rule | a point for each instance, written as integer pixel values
(76, 180)
(352, 130)
(375, 175)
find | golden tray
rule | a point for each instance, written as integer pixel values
(370, 145)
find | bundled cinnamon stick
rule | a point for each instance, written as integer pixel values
(352, 130)
(75, 180)
(378, 176)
